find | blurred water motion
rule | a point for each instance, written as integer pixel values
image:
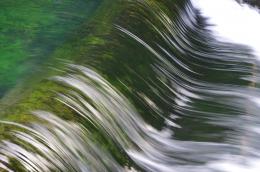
(175, 99)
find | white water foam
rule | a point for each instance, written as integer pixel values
(232, 22)
(237, 23)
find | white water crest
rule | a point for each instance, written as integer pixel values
(64, 146)
(231, 21)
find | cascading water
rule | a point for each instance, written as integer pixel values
(171, 94)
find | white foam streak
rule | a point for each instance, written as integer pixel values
(245, 165)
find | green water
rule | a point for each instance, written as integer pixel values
(31, 30)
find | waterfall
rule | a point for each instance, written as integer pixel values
(175, 89)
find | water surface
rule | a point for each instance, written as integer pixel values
(154, 86)
(32, 30)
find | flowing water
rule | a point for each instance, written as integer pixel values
(171, 87)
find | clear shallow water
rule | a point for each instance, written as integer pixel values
(172, 97)
(31, 31)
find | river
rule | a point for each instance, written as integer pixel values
(156, 86)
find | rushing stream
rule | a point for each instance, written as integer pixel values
(168, 86)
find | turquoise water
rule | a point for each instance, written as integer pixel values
(30, 31)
